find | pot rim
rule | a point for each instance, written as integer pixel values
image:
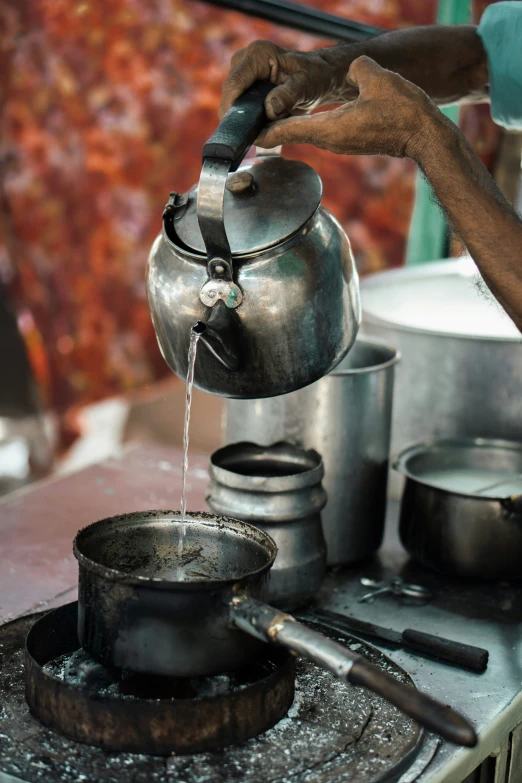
(239, 260)
(399, 461)
(370, 368)
(289, 483)
(463, 264)
(373, 320)
(206, 585)
(285, 167)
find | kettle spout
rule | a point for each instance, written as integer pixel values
(221, 334)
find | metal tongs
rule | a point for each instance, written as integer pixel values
(395, 586)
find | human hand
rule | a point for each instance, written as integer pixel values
(305, 79)
(391, 116)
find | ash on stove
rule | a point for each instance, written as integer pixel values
(81, 671)
(333, 733)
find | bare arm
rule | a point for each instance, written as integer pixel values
(391, 116)
(448, 62)
(477, 210)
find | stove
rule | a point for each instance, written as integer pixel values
(69, 692)
(321, 729)
(325, 726)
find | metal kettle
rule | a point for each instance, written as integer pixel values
(253, 262)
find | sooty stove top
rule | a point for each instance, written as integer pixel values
(332, 732)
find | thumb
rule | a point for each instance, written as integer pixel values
(362, 72)
(282, 100)
(294, 130)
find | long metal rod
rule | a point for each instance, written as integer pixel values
(298, 17)
(270, 625)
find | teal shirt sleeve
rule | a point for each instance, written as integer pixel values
(501, 32)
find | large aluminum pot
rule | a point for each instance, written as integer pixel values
(346, 417)
(461, 368)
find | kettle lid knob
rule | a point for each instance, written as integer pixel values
(241, 183)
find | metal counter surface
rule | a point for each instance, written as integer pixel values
(38, 523)
(487, 616)
(38, 570)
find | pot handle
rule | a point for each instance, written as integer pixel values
(513, 504)
(395, 463)
(270, 625)
(240, 126)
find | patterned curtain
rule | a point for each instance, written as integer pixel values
(105, 107)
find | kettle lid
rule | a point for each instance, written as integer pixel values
(266, 203)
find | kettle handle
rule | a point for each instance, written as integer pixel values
(240, 126)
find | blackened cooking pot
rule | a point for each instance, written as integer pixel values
(142, 607)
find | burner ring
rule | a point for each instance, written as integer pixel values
(138, 725)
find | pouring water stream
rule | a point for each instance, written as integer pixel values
(191, 365)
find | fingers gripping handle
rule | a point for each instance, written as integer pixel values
(240, 126)
(268, 624)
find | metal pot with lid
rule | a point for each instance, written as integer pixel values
(252, 258)
(461, 511)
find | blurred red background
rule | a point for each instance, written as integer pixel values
(106, 105)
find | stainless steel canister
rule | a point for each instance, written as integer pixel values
(346, 417)
(278, 489)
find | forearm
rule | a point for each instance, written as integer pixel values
(448, 63)
(485, 221)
